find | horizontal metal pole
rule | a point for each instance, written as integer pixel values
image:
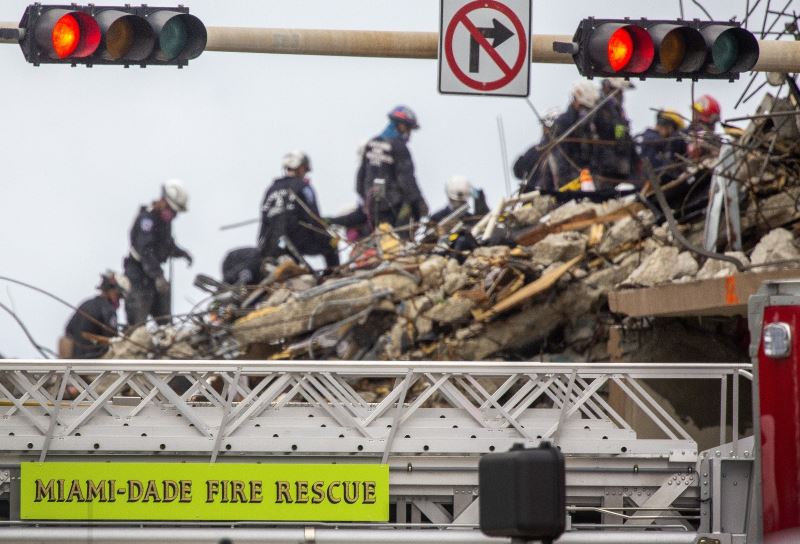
(205, 535)
(353, 43)
(390, 368)
(776, 55)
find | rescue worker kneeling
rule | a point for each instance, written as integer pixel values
(94, 320)
(289, 215)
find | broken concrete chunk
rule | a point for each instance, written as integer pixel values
(279, 296)
(527, 215)
(622, 232)
(562, 246)
(432, 270)
(452, 310)
(658, 267)
(686, 266)
(778, 245)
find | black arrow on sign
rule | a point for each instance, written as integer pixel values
(498, 34)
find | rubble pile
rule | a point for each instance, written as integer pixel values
(537, 282)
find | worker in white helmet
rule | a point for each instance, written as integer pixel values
(290, 218)
(459, 191)
(577, 150)
(152, 245)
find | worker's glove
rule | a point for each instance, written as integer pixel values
(404, 214)
(162, 285)
(183, 254)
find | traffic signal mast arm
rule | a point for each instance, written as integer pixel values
(775, 56)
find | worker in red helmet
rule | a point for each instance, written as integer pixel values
(385, 180)
(704, 142)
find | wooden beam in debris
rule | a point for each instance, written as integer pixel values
(719, 296)
(534, 288)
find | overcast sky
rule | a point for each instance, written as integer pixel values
(81, 149)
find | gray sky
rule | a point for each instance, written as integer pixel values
(82, 148)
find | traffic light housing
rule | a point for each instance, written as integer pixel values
(673, 49)
(117, 35)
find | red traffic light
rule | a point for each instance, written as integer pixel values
(620, 47)
(66, 33)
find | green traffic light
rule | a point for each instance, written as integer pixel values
(725, 51)
(173, 38)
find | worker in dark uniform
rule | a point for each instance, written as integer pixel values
(578, 150)
(537, 168)
(242, 266)
(96, 317)
(617, 158)
(385, 180)
(290, 219)
(663, 145)
(459, 191)
(151, 246)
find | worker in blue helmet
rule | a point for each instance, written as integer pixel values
(385, 180)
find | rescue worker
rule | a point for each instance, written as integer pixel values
(152, 245)
(289, 215)
(704, 142)
(385, 180)
(577, 151)
(459, 191)
(96, 317)
(664, 144)
(536, 170)
(617, 157)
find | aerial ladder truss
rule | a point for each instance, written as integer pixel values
(430, 422)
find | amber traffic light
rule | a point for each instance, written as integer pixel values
(663, 49)
(120, 35)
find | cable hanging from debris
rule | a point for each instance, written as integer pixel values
(44, 351)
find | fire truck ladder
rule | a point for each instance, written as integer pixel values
(429, 421)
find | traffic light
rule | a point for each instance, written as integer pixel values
(119, 35)
(662, 49)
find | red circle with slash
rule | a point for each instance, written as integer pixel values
(509, 72)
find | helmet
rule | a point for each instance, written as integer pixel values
(619, 83)
(295, 159)
(708, 109)
(175, 194)
(670, 116)
(403, 114)
(550, 116)
(585, 93)
(458, 189)
(113, 280)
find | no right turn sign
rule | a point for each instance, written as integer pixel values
(484, 47)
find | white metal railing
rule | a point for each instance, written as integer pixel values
(424, 407)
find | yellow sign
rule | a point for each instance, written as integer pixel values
(208, 492)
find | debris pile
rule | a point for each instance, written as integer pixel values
(536, 283)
